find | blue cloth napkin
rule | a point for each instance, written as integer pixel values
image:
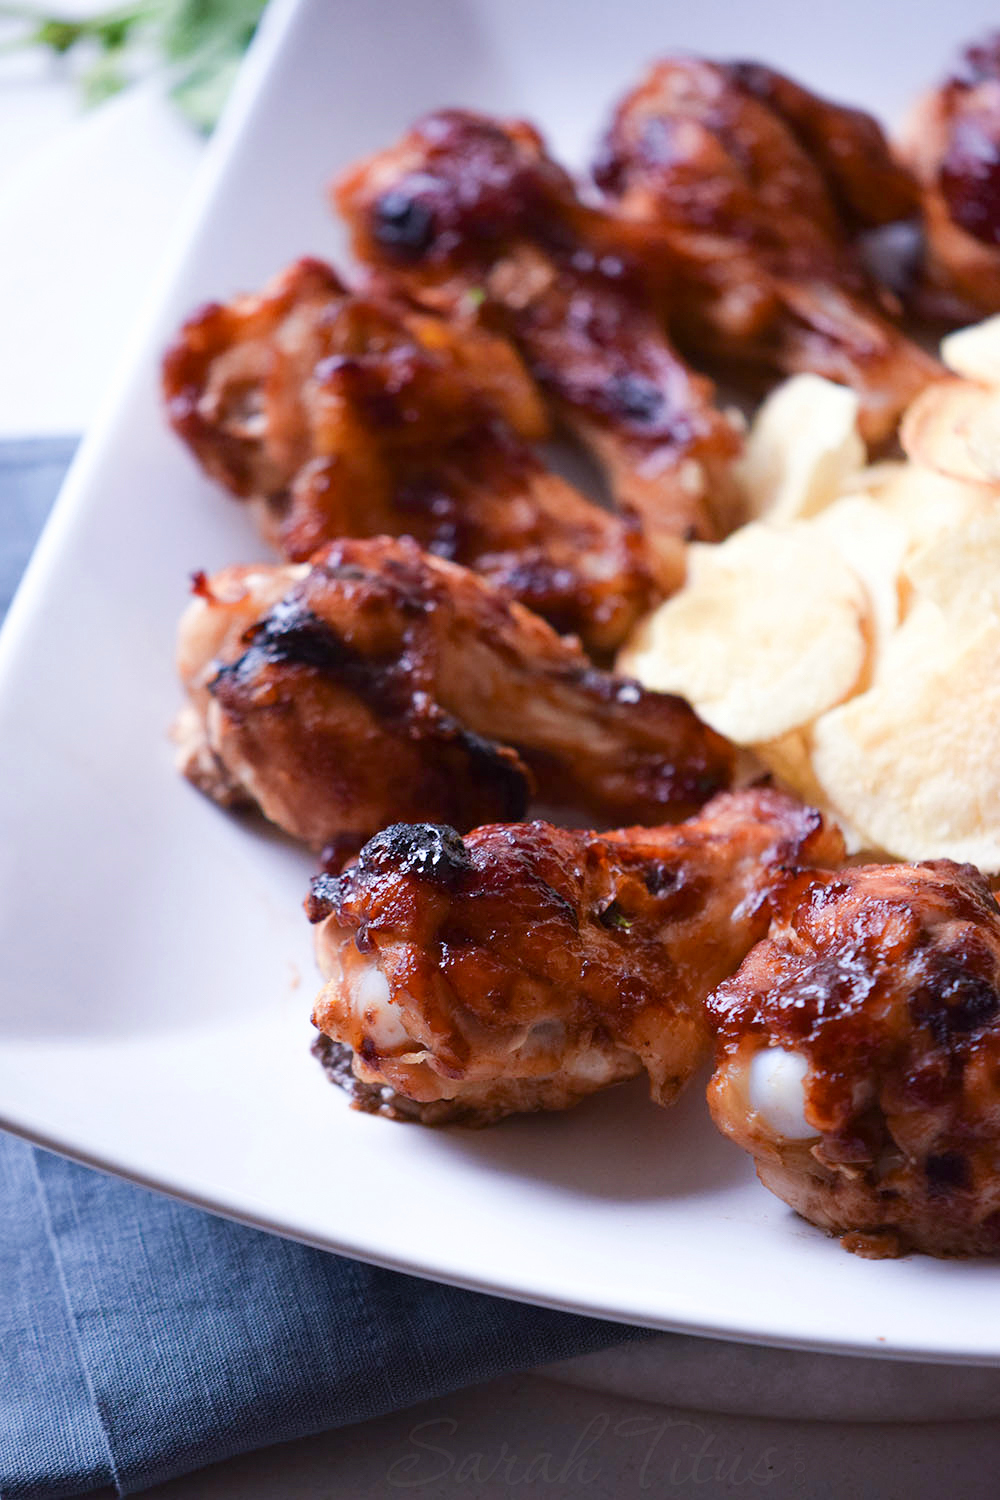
(141, 1338)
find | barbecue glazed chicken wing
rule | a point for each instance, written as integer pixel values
(304, 703)
(743, 195)
(952, 142)
(379, 684)
(526, 966)
(346, 415)
(469, 212)
(859, 1057)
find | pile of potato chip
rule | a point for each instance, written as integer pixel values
(850, 635)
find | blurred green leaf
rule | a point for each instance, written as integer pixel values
(103, 78)
(202, 92)
(199, 42)
(191, 26)
(59, 35)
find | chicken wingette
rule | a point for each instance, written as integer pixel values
(379, 683)
(527, 966)
(743, 195)
(471, 213)
(859, 1057)
(337, 414)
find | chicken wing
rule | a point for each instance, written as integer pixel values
(342, 415)
(303, 703)
(743, 195)
(526, 966)
(859, 1057)
(952, 141)
(471, 213)
(380, 683)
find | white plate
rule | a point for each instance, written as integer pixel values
(157, 972)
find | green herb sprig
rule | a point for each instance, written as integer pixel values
(199, 42)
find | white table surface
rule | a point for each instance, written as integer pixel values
(86, 203)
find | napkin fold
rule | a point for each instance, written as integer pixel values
(141, 1338)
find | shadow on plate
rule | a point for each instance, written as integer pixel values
(617, 1146)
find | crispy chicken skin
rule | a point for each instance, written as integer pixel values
(302, 703)
(526, 966)
(347, 415)
(471, 213)
(859, 1057)
(380, 684)
(952, 141)
(743, 195)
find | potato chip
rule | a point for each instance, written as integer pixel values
(953, 427)
(912, 763)
(802, 447)
(873, 541)
(770, 630)
(874, 478)
(975, 352)
(959, 570)
(930, 508)
(787, 758)
(850, 637)
(928, 503)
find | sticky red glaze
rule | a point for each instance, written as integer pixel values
(969, 172)
(744, 195)
(605, 941)
(348, 415)
(887, 979)
(387, 684)
(467, 206)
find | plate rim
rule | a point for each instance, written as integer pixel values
(280, 19)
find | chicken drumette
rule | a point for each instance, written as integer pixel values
(953, 144)
(470, 213)
(347, 415)
(859, 1057)
(743, 195)
(379, 683)
(526, 966)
